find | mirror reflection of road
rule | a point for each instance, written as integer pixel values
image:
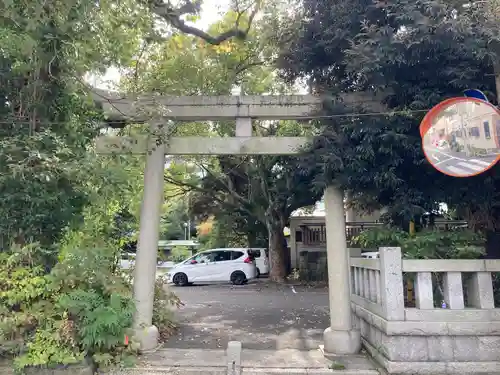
(457, 163)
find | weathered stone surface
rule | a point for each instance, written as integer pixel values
(206, 145)
(440, 348)
(421, 343)
(391, 281)
(452, 367)
(489, 348)
(189, 108)
(480, 290)
(465, 348)
(428, 340)
(342, 342)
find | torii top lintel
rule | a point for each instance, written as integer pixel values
(195, 108)
(192, 108)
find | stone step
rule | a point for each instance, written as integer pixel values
(243, 371)
(247, 362)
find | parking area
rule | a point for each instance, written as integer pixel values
(260, 315)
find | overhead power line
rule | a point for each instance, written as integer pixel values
(312, 117)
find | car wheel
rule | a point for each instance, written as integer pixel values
(180, 279)
(238, 278)
(258, 273)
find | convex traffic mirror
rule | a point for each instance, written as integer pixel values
(461, 136)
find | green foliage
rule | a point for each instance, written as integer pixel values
(102, 320)
(179, 253)
(48, 347)
(47, 121)
(231, 229)
(266, 189)
(65, 209)
(164, 301)
(78, 310)
(373, 238)
(174, 218)
(412, 54)
(455, 244)
(252, 198)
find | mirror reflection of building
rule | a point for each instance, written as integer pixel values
(469, 127)
(464, 138)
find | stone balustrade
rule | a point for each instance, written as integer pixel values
(460, 336)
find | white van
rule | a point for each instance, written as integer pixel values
(236, 265)
(370, 255)
(261, 260)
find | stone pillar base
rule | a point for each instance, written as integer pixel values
(147, 338)
(342, 342)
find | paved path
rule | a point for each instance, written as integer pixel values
(260, 316)
(458, 163)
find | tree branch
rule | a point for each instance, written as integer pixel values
(227, 186)
(210, 192)
(189, 187)
(242, 67)
(174, 17)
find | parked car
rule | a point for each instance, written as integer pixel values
(127, 260)
(370, 255)
(261, 260)
(235, 265)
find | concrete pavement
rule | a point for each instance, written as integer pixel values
(255, 329)
(259, 315)
(457, 163)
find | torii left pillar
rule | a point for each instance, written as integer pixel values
(147, 247)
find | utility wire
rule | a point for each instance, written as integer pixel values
(312, 117)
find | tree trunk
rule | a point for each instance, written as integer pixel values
(277, 253)
(252, 239)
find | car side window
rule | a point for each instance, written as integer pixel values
(200, 258)
(221, 256)
(236, 255)
(206, 257)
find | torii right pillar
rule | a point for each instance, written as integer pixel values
(341, 337)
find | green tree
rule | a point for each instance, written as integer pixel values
(261, 191)
(46, 122)
(64, 208)
(413, 54)
(175, 220)
(215, 70)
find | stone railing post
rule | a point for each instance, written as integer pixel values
(391, 283)
(453, 290)
(480, 287)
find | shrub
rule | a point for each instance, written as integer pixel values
(79, 310)
(428, 244)
(452, 244)
(164, 301)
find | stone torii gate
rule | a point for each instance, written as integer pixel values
(341, 337)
